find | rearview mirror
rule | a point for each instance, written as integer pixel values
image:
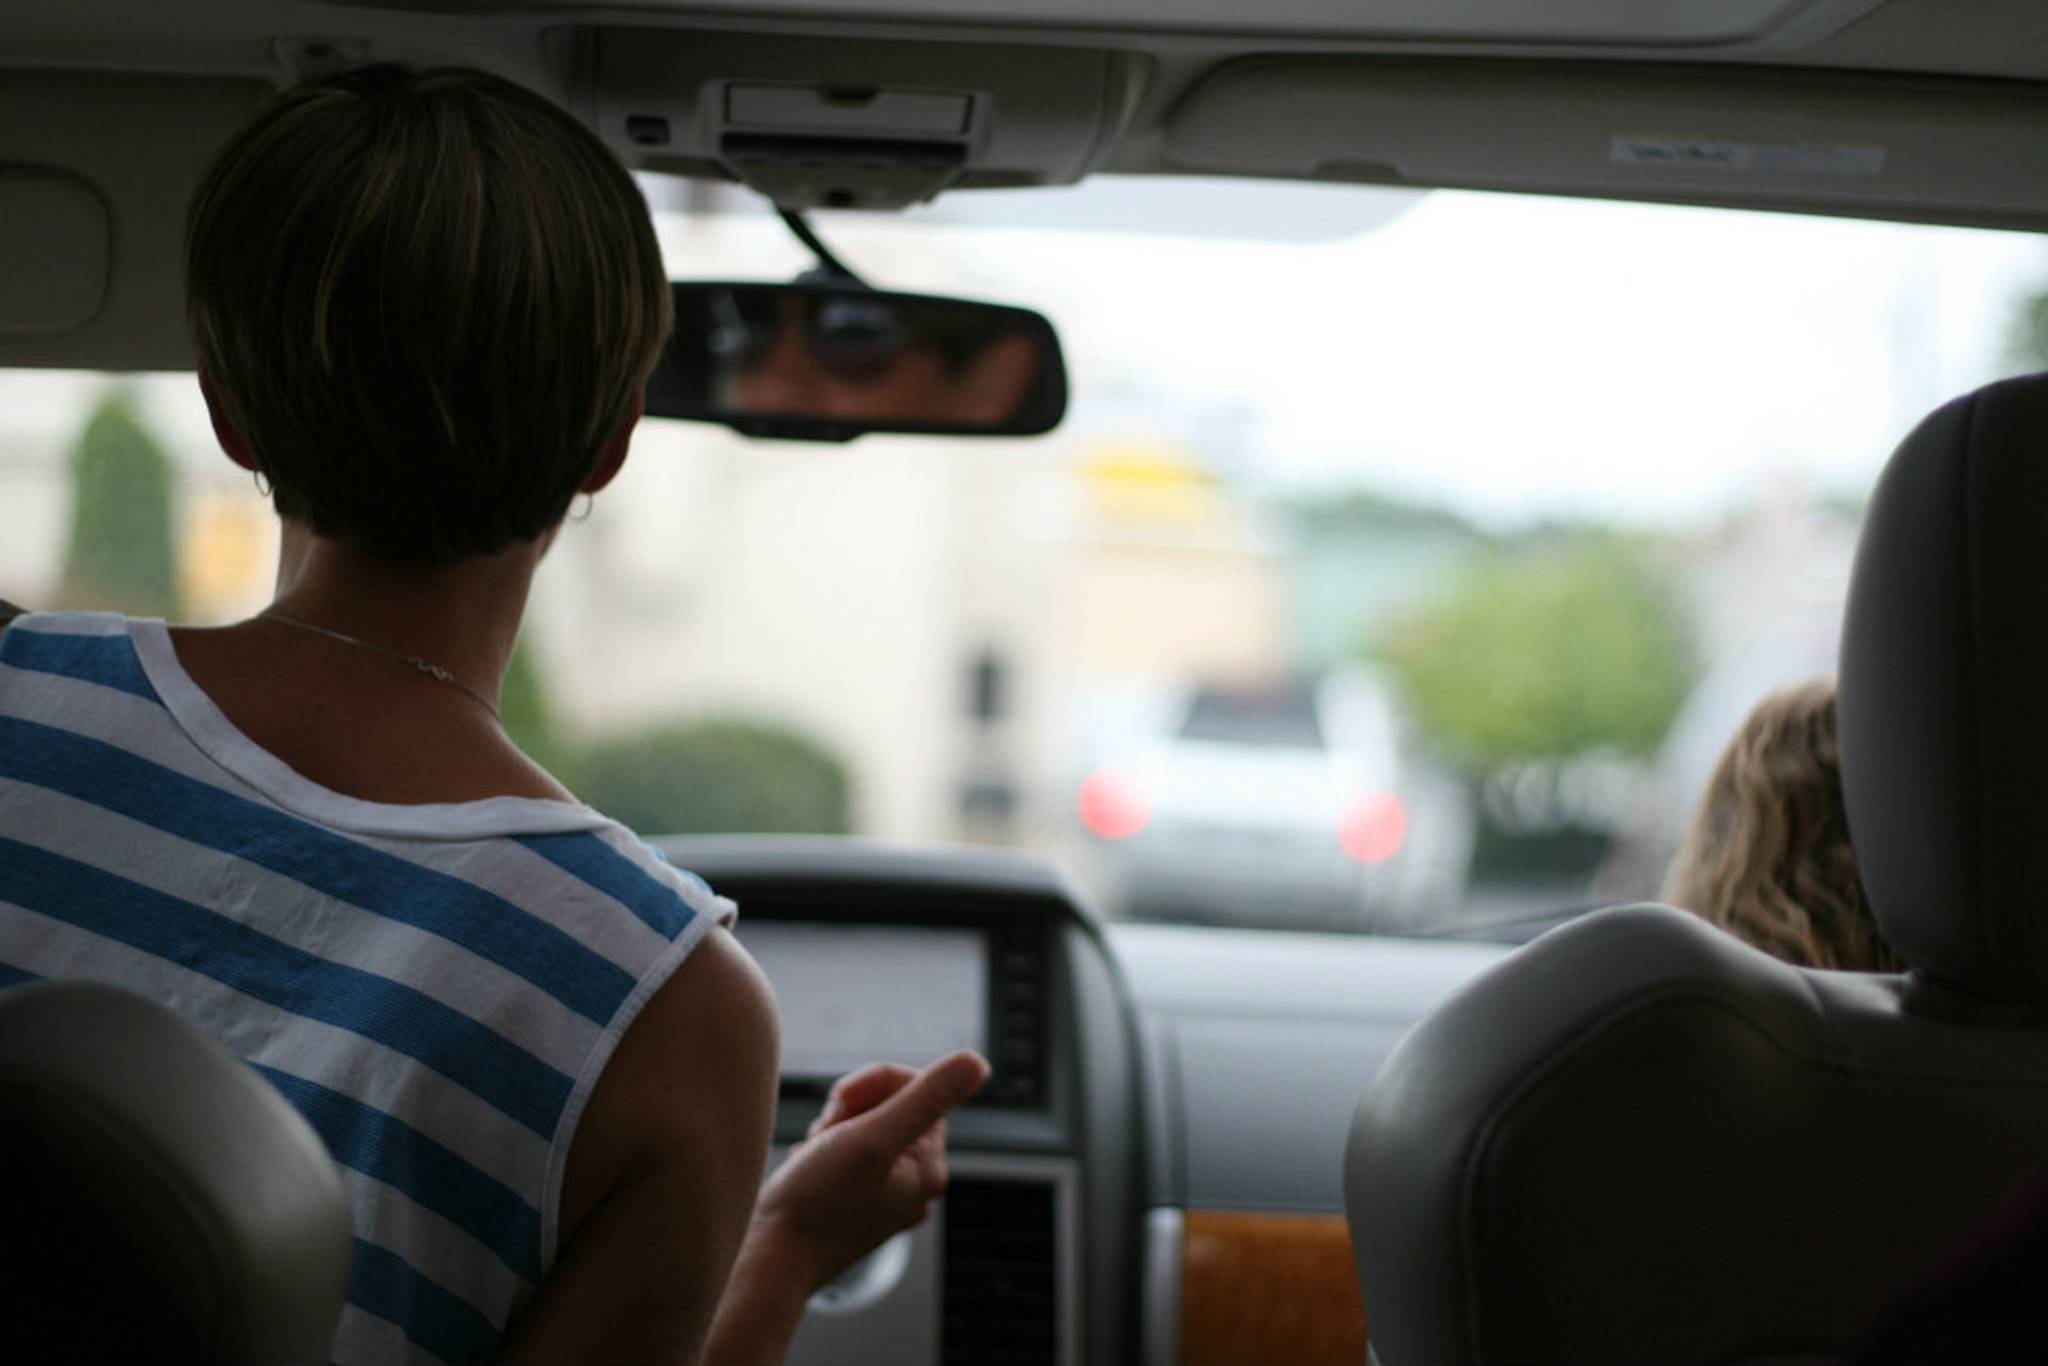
(827, 362)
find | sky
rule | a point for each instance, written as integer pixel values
(1517, 357)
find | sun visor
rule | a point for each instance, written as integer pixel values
(95, 173)
(54, 234)
(839, 123)
(1915, 149)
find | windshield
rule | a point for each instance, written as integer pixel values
(1398, 572)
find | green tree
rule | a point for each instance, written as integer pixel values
(1365, 512)
(1563, 648)
(122, 553)
(717, 777)
(528, 713)
(2028, 341)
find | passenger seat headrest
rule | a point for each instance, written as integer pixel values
(1943, 709)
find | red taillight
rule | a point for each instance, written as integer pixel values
(1113, 805)
(1373, 827)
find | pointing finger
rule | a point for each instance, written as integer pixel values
(928, 1098)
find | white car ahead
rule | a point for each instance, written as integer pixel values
(1296, 803)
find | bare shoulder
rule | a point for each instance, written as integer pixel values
(663, 1172)
(717, 1005)
(712, 1025)
(705, 1044)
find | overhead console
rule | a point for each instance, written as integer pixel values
(1881, 146)
(837, 123)
(879, 955)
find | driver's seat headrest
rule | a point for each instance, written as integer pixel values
(162, 1201)
(1943, 706)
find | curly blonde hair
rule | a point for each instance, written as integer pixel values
(1768, 857)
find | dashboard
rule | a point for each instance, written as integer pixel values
(853, 992)
(1152, 1174)
(896, 955)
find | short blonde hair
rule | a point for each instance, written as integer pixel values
(427, 300)
(1768, 856)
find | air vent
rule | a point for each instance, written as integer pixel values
(1001, 1296)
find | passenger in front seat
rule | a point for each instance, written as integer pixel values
(1768, 857)
(425, 306)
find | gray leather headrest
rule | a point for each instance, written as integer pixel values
(1943, 707)
(169, 1196)
(1639, 1141)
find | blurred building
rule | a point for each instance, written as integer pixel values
(936, 612)
(1170, 574)
(1362, 561)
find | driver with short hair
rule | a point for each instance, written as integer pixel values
(425, 306)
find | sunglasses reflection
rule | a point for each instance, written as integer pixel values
(874, 360)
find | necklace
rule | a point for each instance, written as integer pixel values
(434, 671)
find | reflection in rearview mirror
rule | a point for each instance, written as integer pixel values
(828, 362)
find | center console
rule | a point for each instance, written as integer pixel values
(876, 954)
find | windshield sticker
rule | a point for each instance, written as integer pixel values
(1717, 154)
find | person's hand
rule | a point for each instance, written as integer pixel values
(871, 1167)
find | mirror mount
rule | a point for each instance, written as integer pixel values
(830, 270)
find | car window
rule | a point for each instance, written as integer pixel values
(1273, 715)
(1398, 572)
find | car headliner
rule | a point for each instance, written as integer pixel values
(1900, 109)
(2001, 38)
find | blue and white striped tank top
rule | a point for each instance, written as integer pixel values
(436, 988)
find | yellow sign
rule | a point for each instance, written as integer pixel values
(228, 556)
(1151, 481)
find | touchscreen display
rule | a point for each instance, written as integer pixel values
(855, 994)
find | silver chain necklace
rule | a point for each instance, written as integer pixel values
(434, 671)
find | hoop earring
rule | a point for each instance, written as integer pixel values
(582, 514)
(263, 484)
